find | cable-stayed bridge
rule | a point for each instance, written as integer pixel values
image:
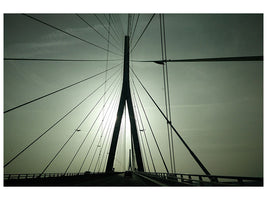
(96, 150)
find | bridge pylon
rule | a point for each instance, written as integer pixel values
(125, 97)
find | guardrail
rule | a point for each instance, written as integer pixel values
(204, 180)
(47, 175)
(36, 175)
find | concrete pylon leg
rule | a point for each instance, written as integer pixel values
(125, 96)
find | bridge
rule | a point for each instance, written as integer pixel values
(98, 136)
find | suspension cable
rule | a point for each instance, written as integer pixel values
(106, 115)
(34, 141)
(168, 91)
(142, 32)
(89, 150)
(131, 25)
(109, 120)
(90, 146)
(150, 128)
(118, 19)
(165, 84)
(112, 25)
(87, 133)
(46, 95)
(59, 60)
(103, 128)
(106, 29)
(107, 58)
(109, 134)
(98, 32)
(136, 22)
(75, 131)
(108, 143)
(188, 148)
(67, 33)
(138, 119)
(124, 133)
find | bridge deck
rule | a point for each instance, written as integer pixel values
(128, 179)
(117, 179)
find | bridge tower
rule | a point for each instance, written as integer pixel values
(125, 97)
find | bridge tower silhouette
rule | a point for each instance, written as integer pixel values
(135, 155)
(125, 97)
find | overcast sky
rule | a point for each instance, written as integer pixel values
(216, 107)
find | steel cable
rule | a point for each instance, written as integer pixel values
(46, 95)
(75, 131)
(34, 141)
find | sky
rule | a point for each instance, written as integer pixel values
(217, 107)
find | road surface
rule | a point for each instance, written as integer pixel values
(116, 179)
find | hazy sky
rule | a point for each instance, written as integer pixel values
(216, 107)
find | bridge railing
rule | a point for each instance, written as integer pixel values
(36, 175)
(205, 180)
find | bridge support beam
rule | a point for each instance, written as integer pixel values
(125, 97)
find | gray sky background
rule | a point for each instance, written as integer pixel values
(216, 107)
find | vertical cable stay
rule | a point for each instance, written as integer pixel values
(124, 134)
(122, 140)
(110, 21)
(75, 131)
(131, 28)
(116, 40)
(108, 132)
(91, 144)
(87, 133)
(107, 146)
(142, 142)
(141, 129)
(120, 25)
(129, 24)
(99, 143)
(98, 32)
(61, 89)
(109, 126)
(118, 19)
(150, 128)
(83, 141)
(106, 63)
(114, 29)
(166, 90)
(107, 115)
(57, 122)
(142, 32)
(162, 113)
(112, 26)
(106, 127)
(136, 22)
